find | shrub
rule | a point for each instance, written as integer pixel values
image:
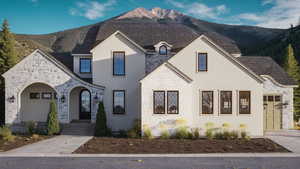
(209, 134)
(182, 133)
(135, 131)
(165, 134)
(209, 125)
(196, 133)
(52, 121)
(148, 134)
(244, 135)
(101, 124)
(122, 133)
(233, 135)
(31, 127)
(6, 134)
(132, 134)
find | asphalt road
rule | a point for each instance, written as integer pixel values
(149, 163)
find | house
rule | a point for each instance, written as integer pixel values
(164, 81)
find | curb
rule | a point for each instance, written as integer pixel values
(242, 155)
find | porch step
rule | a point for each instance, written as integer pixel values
(80, 128)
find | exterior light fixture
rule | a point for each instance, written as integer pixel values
(63, 98)
(11, 99)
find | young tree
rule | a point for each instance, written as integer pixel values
(291, 66)
(101, 126)
(52, 121)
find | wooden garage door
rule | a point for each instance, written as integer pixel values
(272, 112)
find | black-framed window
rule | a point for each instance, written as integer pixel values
(119, 63)
(207, 102)
(202, 62)
(159, 102)
(119, 101)
(226, 102)
(163, 50)
(47, 95)
(85, 65)
(172, 102)
(34, 95)
(244, 102)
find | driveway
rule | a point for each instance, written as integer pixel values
(289, 139)
(64, 144)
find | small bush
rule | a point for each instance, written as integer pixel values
(233, 135)
(219, 135)
(101, 125)
(165, 134)
(244, 135)
(148, 134)
(182, 133)
(31, 127)
(132, 134)
(196, 133)
(6, 134)
(52, 121)
(122, 134)
(136, 130)
(209, 125)
(209, 134)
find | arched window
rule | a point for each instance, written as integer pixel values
(163, 50)
(85, 104)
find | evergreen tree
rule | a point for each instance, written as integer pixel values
(52, 121)
(291, 66)
(101, 126)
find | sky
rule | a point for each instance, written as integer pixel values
(48, 16)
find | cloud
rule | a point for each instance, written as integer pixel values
(200, 9)
(91, 9)
(281, 14)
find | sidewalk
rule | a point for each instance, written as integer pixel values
(64, 144)
(289, 139)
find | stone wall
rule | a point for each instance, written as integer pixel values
(40, 68)
(287, 98)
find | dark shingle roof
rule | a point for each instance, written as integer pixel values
(263, 65)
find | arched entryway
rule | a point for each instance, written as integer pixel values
(80, 104)
(35, 102)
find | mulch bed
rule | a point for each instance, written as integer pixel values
(146, 146)
(19, 141)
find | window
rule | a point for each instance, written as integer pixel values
(118, 63)
(226, 102)
(202, 62)
(172, 102)
(85, 65)
(85, 101)
(34, 96)
(119, 101)
(245, 102)
(159, 102)
(163, 50)
(46, 95)
(207, 102)
(277, 98)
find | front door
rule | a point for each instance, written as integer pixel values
(85, 105)
(272, 112)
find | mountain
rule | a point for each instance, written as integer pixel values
(143, 25)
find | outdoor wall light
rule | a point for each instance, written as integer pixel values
(11, 99)
(63, 98)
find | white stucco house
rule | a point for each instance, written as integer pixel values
(163, 82)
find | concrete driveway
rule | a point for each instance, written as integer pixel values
(289, 139)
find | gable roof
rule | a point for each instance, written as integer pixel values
(224, 53)
(123, 35)
(266, 66)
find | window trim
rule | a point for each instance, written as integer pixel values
(43, 93)
(206, 59)
(168, 101)
(32, 98)
(113, 106)
(163, 99)
(211, 91)
(166, 50)
(240, 102)
(222, 113)
(90, 71)
(124, 69)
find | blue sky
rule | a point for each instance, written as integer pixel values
(47, 16)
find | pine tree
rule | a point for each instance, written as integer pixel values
(101, 126)
(52, 121)
(291, 66)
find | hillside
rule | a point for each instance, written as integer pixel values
(247, 38)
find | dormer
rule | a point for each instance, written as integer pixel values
(82, 65)
(163, 48)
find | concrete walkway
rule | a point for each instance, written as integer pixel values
(289, 139)
(64, 144)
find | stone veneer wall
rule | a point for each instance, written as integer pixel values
(287, 97)
(38, 68)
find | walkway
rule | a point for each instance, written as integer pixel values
(289, 139)
(64, 144)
